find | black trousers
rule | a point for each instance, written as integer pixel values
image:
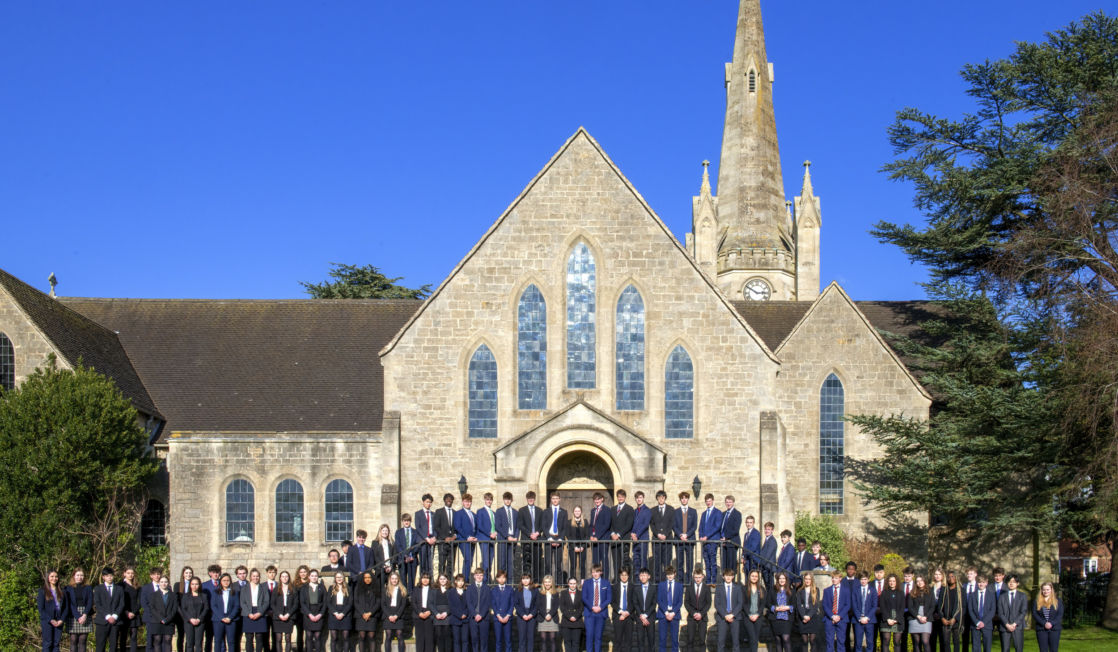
(646, 635)
(730, 631)
(694, 635)
(105, 635)
(623, 634)
(192, 636)
(572, 639)
(752, 632)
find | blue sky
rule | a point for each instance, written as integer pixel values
(217, 150)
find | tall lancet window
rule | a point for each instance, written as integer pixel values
(679, 395)
(580, 319)
(531, 350)
(630, 350)
(752, 81)
(831, 435)
(7, 364)
(483, 394)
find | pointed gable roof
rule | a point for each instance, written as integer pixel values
(80, 339)
(581, 133)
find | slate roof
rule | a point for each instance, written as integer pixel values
(78, 338)
(258, 365)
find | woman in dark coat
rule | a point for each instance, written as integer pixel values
(79, 610)
(392, 608)
(285, 612)
(162, 607)
(570, 616)
(809, 620)
(182, 587)
(194, 610)
(782, 607)
(459, 615)
(890, 605)
(1048, 618)
(423, 614)
(576, 552)
(366, 612)
(131, 619)
(312, 605)
(444, 639)
(52, 605)
(256, 602)
(340, 610)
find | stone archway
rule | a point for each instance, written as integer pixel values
(577, 473)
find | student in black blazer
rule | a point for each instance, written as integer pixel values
(1013, 610)
(530, 523)
(579, 531)
(79, 611)
(622, 611)
(444, 638)
(194, 610)
(312, 607)
(890, 610)
(52, 605)
(393, 607)
(697, 601)
(1048, 618)
(644, 608)
(728, 610)
(524, 609)
(809, 619)
(663, 516)
(162, 606)
(366, 612)
(254, 613)
(132, 618)
(339, 613)
(459, 615)
(781, 612)
(556, 525)
(754, 601)
(423, 614)
(445, 533)
(108, 608)
(570, 617)
(547, 614)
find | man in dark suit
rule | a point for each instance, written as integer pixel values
(406, 537)
(359, 559)
(803, 560)
(731, 534)
(981, 606)
(836, 613)
(209, 588)
(660, 522)
(600, 523)
(596, 596)
(479, 607)
(850, 584)
(696, 600)
(642, 519)
(465, 526)
(108, 605)
(622, 608)
(621, 525)
(508, 529)
(863, 613)
(487, 532)
(684, 525)
(425, 526)
(729, 606)
(444, 532)
(1013, 607)
(786, 558)
(709, 534)
(644, 607)
(768, 553)
(556, 527)
(146, 591)
(531, 519)
(669, 608)
(750, 542)
(332, 566)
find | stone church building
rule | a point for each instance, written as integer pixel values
(579, 346)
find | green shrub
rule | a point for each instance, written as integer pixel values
(18, 616)
(893, 564)
(823, 529)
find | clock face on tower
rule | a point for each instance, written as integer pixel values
(757, 290)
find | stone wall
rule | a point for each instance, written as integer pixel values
(31, 348)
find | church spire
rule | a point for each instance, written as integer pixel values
(750, 189)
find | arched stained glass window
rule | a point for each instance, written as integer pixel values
(483, 394)
(240, 511)
(630, 350)
(831, 443)
(289, 511)
(581, 362)
(531, 350)
(679, 395)
(339, 510)
(7, 363)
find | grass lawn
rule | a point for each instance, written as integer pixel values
(1080, 639)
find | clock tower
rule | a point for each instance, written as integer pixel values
(747, 236)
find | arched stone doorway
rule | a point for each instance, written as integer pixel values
(577, 474)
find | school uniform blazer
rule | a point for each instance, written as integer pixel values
(666, 602)
(888, 602)
(307, 609)
(79, 596)
(697, 602)
(194, 606)
(444, 524)
(420, 524)
(279, 607)
(644, 605)
(398, 546)
(605, 596)
(353, 560)
(442, 606)
(692, 522)
(812, 610)
(364, 602)
(332, 611)
(459, 610)
(731, 525)
(570, 606)
(928, 601)
(465, 524)
(787, 556)
(386, 610)
(542, 608)
(600, 522)
(262, 605)
(768, 549)
(661, 523)
(710, 524)
(736, 605)
(530, 519)
(806, 562)
(867, 608)
(502, 599)
(417, 604)
(950, 603)
(529, 608)
(642, 519)
(218, 609)
(843, 603)
(562, 527)
(507, 526)
(485, 523)
(615, 602)
(105, 604)
(479, 602)
(751, 541)
(50, 610)
(136, 600)
(621, 520)
(1013, 611)
(988, 607)
(1055, 616)
(160, 613)
(326, 571)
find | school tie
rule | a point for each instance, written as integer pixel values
(508, 511)
(623, 587)
(471, 515)
(835, 600)
(684, 520)
(728, 603)
(555, 521)
(980, 604)
(430, 527)
(865, 596)
(671, 595)
(597, 595)
(492, 521)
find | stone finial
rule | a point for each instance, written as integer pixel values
(53, 280)
(704, 189)
(807, 190)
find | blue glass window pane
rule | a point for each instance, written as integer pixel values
(289, 511)
(831, 441)
(679, 396)
(339, 511)
(240, 511)
(483, 394)
(581, 342)
(630, 350)
(531, 350)
(7, 363)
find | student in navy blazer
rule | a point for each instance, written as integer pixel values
(710, 532)
(836, 613)
(596, 597)
(525, 607)
(225, 608)
(479, 610)
(750, 542)
(1048, 618)
(786, 558)
(52, 604)
(768, 552)
(508, 529)
(731, 534)
(503, 601)
(465, 526)
(459, 615)
(556, 525)
(669, 609)
(684, 528)
(600, 523)
(405, 538)
(803, 560)
(108, 610)
(486, 532)
(863, 610)
(642, 520)
(981, 606)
